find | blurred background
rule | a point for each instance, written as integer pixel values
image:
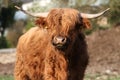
(103, 38)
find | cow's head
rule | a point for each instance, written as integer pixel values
(64, 25)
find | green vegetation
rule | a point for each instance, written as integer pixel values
(4, 43)
(115, 11)
(30, 24)
(6, 77)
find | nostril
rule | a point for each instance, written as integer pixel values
(64, 40)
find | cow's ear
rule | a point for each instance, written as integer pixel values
(41, 22)
(86, 23)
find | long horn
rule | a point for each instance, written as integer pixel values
(84, 15)
(36, 15)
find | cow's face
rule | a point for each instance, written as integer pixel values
(65, 26)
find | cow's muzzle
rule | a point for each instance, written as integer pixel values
(60, 42)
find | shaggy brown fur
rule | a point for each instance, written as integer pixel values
(38, 59)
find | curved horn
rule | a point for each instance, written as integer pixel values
(84, 15)
(36, 15)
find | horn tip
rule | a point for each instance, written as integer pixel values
(17, 7)
(107, 9)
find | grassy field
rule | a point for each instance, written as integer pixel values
(97, 77)
(6, 77)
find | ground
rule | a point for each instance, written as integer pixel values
(104, 51)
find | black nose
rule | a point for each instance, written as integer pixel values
(59, 40)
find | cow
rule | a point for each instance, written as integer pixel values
(56, 48)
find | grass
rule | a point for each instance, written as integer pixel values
(6, 77)
(87, 77)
